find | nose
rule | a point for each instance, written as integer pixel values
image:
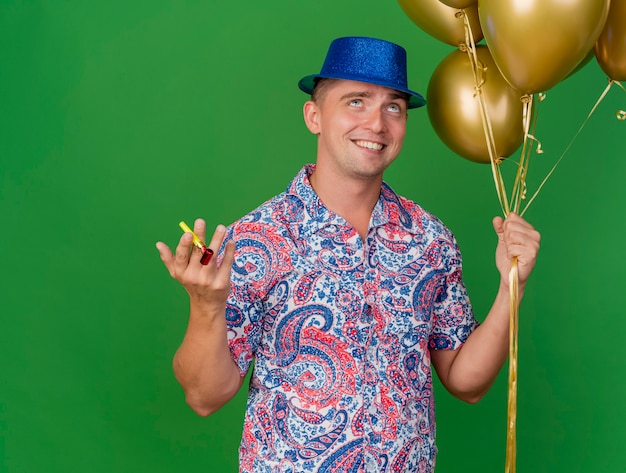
(375, 120)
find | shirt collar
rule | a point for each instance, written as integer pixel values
(389, 210)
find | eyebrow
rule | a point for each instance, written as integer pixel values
(350, 95)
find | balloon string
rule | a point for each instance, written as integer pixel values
(513, 274)
(509, 466)
(621, 114)
(519, 184)
(593, 109)
(518, 194)
(478, 70)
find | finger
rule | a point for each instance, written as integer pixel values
(217, 238)
(519, 230)
(515, 221)
(228, 259)
(498, 226)
(166, 256)
(514, 236)
(516, 224)
(182, 255)
(222, 278)
(199, 228)
(522, 244)
(523, 252)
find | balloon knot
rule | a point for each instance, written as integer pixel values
(621, 115)
(526, 98)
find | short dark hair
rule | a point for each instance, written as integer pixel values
(320, 88)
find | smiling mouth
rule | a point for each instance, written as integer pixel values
(370, 145)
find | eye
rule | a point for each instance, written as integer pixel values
(394, 107)
(356, 103)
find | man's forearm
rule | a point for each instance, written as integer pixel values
(203, 365)
(478, 362)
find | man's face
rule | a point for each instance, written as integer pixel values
(360, 127)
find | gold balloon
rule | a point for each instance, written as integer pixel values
(588, 57)
(538, 43)
(610, 49)
(440, 20)
(459, 3)
(454, 108)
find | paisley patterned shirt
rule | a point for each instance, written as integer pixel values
(340, 331)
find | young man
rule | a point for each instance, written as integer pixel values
(343, 293)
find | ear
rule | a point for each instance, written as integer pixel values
(311, 113)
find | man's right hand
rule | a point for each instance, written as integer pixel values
(205, 284)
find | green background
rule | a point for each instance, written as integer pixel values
(120, 118)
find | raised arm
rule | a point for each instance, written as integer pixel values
(202, 363)
(469, 372)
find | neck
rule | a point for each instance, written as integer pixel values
(354, 200)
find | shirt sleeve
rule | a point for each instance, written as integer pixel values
(260, 262)
(244, 307)
(453, 316)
